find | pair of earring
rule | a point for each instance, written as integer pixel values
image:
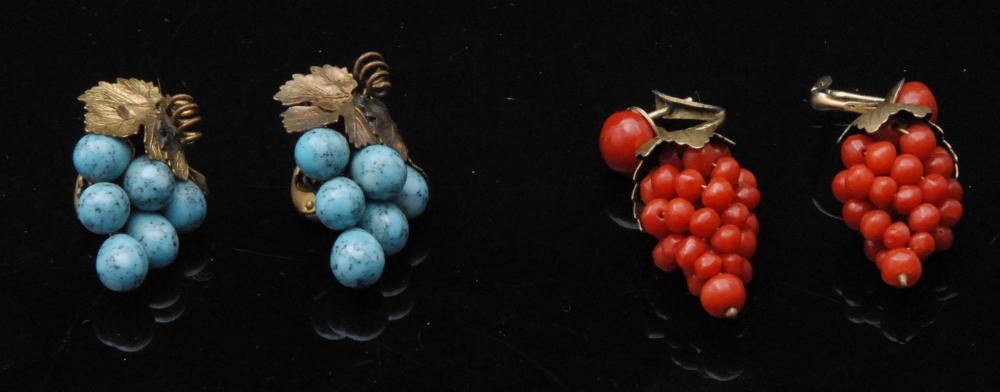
(358, 180)
(899, 188)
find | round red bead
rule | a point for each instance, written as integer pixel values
(623, 133)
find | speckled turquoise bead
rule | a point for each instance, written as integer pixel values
(186, 208)
(103, 208)
(412, 199)
(148, 183)
(100, 158)
(156, 235)
(387, 224)
(322, 153)
(357, 259)
(339, 203)
(121, 263)
(379, 171)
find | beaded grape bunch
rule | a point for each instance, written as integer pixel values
(358, 180)
(142, 202)
(692, 195)
(900, 188)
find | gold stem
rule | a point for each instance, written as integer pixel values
(903, 280)
(732, 312)
(824, 98)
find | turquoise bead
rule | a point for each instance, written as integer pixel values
(100, 158)
(379, 171)
(156, 235)
(412, 199)
(387, 224)
(357, 259)
(121, 263)
(148, 183)
(103, 208)
(339, 203)
(322, 153)
(186, 208)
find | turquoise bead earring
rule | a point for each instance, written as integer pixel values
(142, 202)
(359, 179)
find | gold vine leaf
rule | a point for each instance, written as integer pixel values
(324, 92)
(304, 118)
(121, 108)
(382, 126)
(872, 120)
(357, 127)
(693, 137)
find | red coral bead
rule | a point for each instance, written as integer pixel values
(918, 93)
(723, 295)
(654, 218)
(901, 268)
(622, 134)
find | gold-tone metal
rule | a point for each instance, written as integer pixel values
(673, 108)
(304, 194)
(81, 184)
(123, 108)
(371, 68)
(317, 99)
(330, 93)
(875, 111)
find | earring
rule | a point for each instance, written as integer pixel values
(358, 179)
(143, 202)
(691, 195)
(900, 187)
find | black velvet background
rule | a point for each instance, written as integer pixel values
(521, 278)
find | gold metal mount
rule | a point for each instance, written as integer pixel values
(330, 94)
(673, 108)
(874, 111)
(128, 106)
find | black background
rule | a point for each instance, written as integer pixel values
(526, 283)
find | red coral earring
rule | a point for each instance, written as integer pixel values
(900, 184)
(691, 194)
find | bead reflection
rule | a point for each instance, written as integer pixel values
(899, 314)
(697, 342)
(363, 314)
(617, 198)
(128, 321)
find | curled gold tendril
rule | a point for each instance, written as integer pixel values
(374, 72)
(183, 113)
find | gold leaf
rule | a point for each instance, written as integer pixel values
(390, 137)
(326, 89)
(178, 163)
(383, 126)
(647, 148)
(359, 131)
(304, 118)
(119, 109)
(325, 85)
(872, 120)
(152, 144)
(696, 137)
(199, 180)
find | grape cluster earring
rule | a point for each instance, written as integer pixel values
(900, 187)
(153, 196)
(359, 179)
(691, 195)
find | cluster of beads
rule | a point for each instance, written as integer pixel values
(368, 194)
(139, 202)
(900, 190)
